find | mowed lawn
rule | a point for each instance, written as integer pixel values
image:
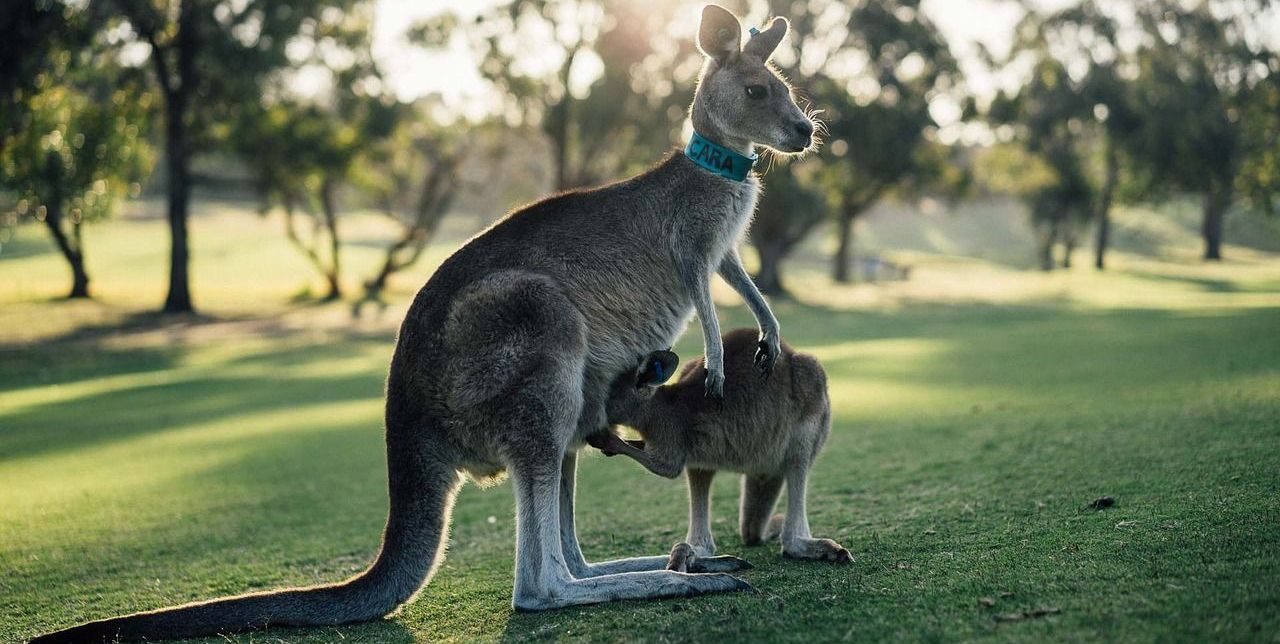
(972, 428)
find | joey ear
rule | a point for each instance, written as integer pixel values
(763, 43)
(719, 35)
(656, 369)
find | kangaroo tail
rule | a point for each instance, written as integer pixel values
(422, 494)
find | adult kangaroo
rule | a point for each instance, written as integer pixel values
(505, 358)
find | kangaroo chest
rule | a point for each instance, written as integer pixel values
(698, 232)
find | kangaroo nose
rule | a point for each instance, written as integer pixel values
(805, 129)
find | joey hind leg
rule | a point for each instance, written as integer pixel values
(760, 494)
(797, 543)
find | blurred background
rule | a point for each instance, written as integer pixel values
(233, 157)
(1037, 254)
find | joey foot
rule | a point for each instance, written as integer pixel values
(811, 549)
(818, 550)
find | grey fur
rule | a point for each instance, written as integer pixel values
(770, 430)
(504, 362)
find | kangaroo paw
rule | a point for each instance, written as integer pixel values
(818, 550)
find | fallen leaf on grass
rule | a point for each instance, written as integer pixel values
(1101, 503)
(1125, 524)
(1026, 614)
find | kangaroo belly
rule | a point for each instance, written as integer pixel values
(741, 448)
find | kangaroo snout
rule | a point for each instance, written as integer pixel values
(803, 131)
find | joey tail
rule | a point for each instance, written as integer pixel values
(421, 493)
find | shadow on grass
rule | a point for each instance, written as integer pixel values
(1205, 284)
(121, 413)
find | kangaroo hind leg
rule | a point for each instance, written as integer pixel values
(797, 543)
(759, 496)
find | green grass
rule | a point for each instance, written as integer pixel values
(978, 409)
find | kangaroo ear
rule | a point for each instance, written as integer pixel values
(719, 35)
(656, 369)
(762, 43)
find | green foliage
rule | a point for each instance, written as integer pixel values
(1258, 181)
(80, 145)
(74, 135)
(1072, 114)
(604, 80)
(33, 32)
(874, 90)
(224, 52)
(1009, 168)
(870, 70)
(1198, 74)
(303, 149)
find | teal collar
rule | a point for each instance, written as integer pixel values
(719, 159)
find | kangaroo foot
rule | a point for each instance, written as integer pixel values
(817, 550)
(684, 559)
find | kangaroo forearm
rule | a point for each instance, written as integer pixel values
(711, 341)
(735, 274)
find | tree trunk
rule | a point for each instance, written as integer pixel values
(1215, 206)
(841, 269)
(434, 202)
(329, 209)
(1104, 205)
(1069, 247)
(769, 278)
(1047, 240)
(72, 250)
(556, 126)
(79, 277)
(178, 299)
(177, 91)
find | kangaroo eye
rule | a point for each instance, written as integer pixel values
(756, 91)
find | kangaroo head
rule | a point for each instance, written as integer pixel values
(741, 100)
(633, 388)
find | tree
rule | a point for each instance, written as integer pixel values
(304, 150)
(34, 32)
(1199, 68)
(790, 207)
(872, 69)
(1047, 114)
(76, 142)
(1259, 179)
(1089, 37)
(605, 76)
(1074, 113)
(208, 56)
(414, 181)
